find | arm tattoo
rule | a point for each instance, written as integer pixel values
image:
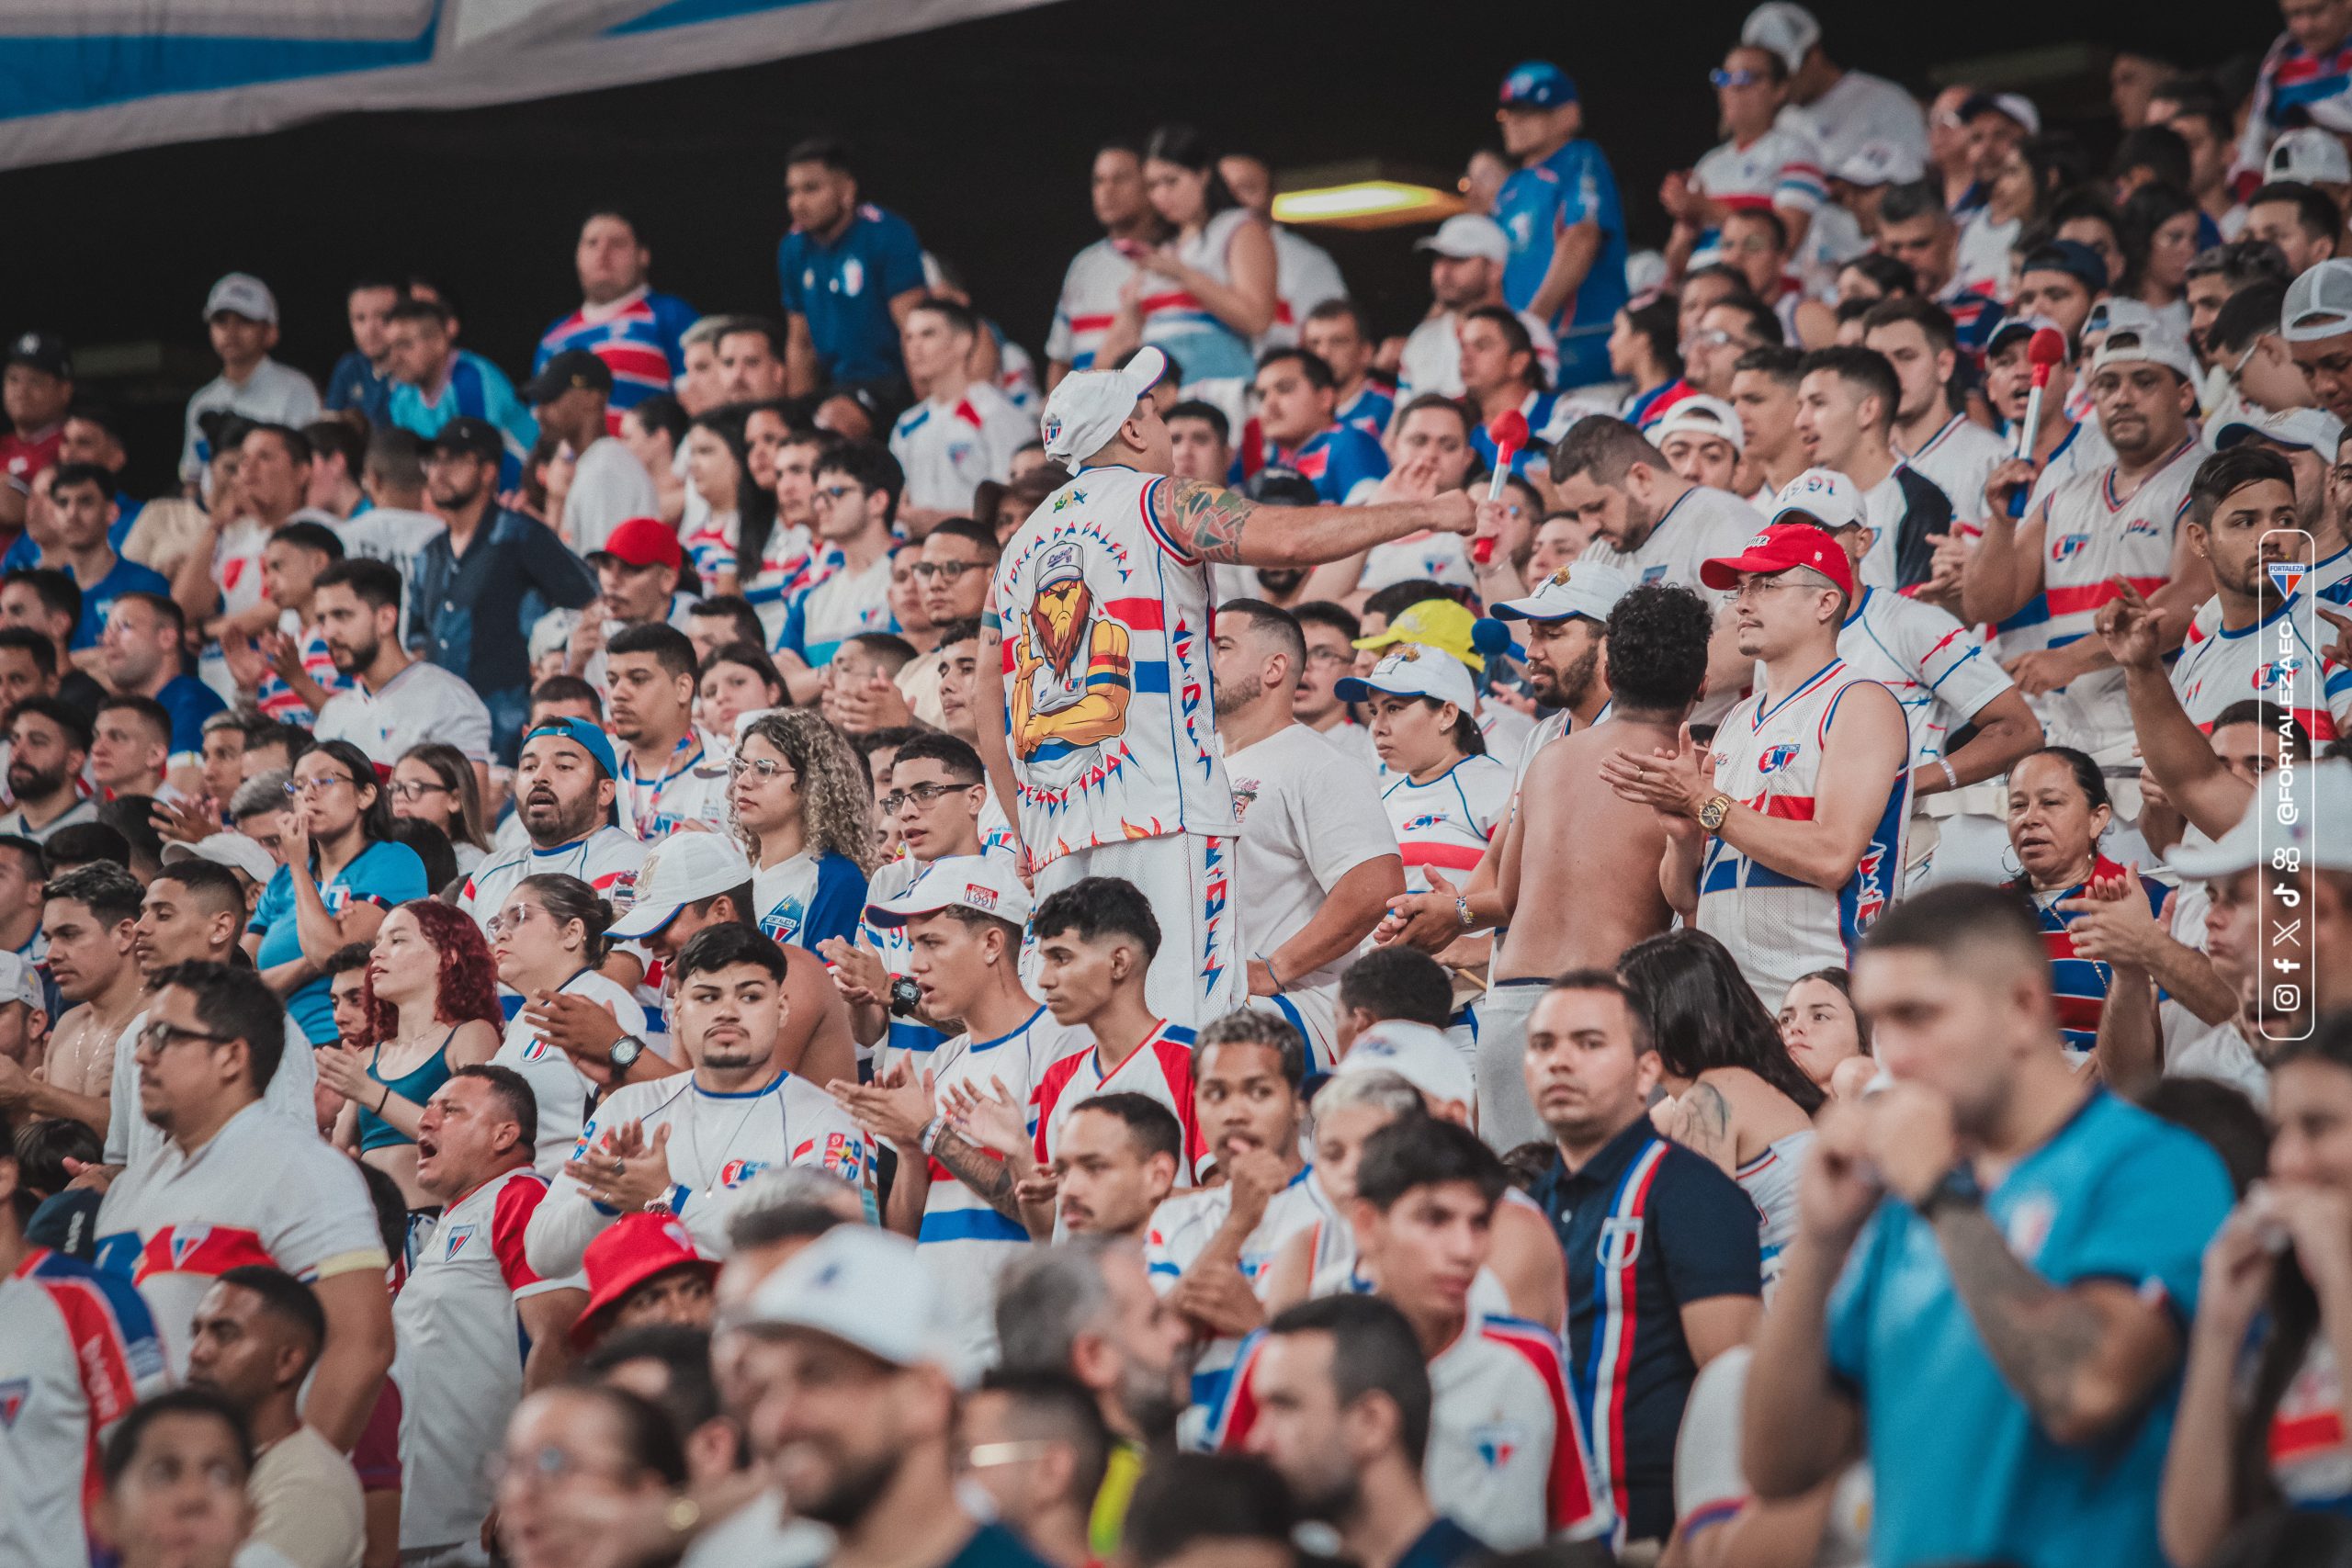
(2039, 1337)
(1207, 519)
(980, 1171)
(1706, 1122)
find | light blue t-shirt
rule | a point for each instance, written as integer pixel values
(385, 875)
(1961, 1470)
(1573, 186)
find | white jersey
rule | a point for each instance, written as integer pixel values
(897, 950)
(606, 860)
(1432, 357)
(948, 446)
(1703, 523)
(964, 1240)
(609, 485)
(1936, 668)
(1506, 732)
(1352, 739)
(1089, 304)
(689, 786)
(1770, 1182)
(1304, 276)
(2090, 539)
(558, 1085)
(1780, 168)
(1161, 1067)
(1858, 108)
(1958, 459)
(1181, 1229)
(718, 1142)
(73, 816)
(131, 1139)
(2194, 1049)
(1104, 618)
(1423, 557)
(839, 604)
(1446, 824)
(259, 1191)
(1769, 756)
(2262, 660)
(421, 703)
(459, 1363)
(786, 567)
(274, 393)
(79, 1351)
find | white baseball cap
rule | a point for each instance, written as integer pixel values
(2319, 302)
(683, 869)
(1413, 670)
(2156, 342)
(2016, 107)
(2315, 430)
(1880, 163)
(1581, 588)
(863, 1287)
(1822, 496)
(1468, 236)
(1416, 1053)
(2320, 794)
(2309, 156)
(1701, 415)
(1086, 409)
(241, 294)
(20, 982)
(985, 883)
(1788, 31)
(232, 850)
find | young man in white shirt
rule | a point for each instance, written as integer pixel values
(241, 314)
(1318, 854)
(396, 701)
(858, 491)
(609, 485)
(1846, 408)
(1089, 296)
(672, 771)
(1466, 253)
(1937, 441)
(963, 431)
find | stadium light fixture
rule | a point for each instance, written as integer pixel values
(1361, 196)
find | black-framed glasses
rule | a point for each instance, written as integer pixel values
(159, 1037)
(945, 570)
(410, 789)
(296, 788)
(921, 795)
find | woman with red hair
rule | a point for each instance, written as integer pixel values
(431, 1002)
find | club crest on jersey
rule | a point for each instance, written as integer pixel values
(1776, 757)
(1653, 573)
(2145, 527)
(2069, 545)
(2287, 576)
(458, 1236)
(184, 1241)
(1496, 1442)
(12, 1395)
(537, 1050)
(2276, 674)
(736, 1172)
(1620, 1242)
(853, 277)
(1426, 819)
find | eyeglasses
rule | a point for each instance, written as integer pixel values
(837, 492)
(514, 917)
(988, 1456)
(296, 788)
(159, 1037)
(945, 570)
(544, 1465)
(921, 795)
(766, 767)
(1715, 337)
(1756, 585)
(409, 789)
(1331, 655)
(1741, 77)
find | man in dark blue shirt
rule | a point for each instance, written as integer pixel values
(477, 586)
(361, 380)
(850, 272)
(1665, 1263)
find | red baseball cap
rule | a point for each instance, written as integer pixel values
(633, 1249)
(1779, 548)
(643, 541)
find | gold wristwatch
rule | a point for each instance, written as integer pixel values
(1711, 815)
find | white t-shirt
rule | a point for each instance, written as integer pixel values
(2194, 1049)
(1432, 356)
(460, 1355)
(1859, 107)
(1709, 1475)
(1304, 276)
(1310, 814)
(1088, 305)
(421, 703)
(1180, 1230)
(609, 485)
(259, 1191)
(131, 1139)
(1937, 669)
(690, 787)
(273, 394)
(1506, 731)
(1437, 557)
(392, 533)
(1958, 458)
(1782, 168)
(947, 446)
(1446, 824)
(560, 1088)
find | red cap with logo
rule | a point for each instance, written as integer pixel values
(643, 541)
(1779, 548)
(633, 1249)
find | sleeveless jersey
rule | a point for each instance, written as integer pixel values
(2090, 538)
(1770, 1182)
(1769, 756)
(1105, 617)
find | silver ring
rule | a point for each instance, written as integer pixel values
(620, 1167)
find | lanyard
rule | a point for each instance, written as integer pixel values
(647, 809)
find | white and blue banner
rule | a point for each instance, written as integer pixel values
(83, 77)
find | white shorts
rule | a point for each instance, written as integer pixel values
(1200, 972)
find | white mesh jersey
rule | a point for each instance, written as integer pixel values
(718, 1142)
(2270, 659)
(560, 1088)
(1703, 523)
(1180, 1230)
(1937, 669)
(461, 1345)
(1769, 756)
(1104, 618)
(2090, 538)
(1770, 1182)
(78, 1351)
(1958, 459)
(260, 1191)
(948, 448)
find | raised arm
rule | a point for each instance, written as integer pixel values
(2005, 570)
(2173, 750)
(1218, 525)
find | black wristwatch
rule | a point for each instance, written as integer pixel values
(906, 997)
(625, 1053)
(1959, 1189)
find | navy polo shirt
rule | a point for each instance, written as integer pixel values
(844, 289)
(1648, 1227)
(1442, 1545)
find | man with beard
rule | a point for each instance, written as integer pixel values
(856, 1410)
(49, 742)
(1318, 853)
(398, 703)
(1117, 1161)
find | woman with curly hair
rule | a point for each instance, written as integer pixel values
(431, 1003)
(806, 813)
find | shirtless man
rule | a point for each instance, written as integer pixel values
(88, 916)
(1570, 829)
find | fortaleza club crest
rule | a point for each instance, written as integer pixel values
(2287, 576)
(1775, 758)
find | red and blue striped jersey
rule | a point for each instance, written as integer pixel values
(2080, 985)
(636, 336)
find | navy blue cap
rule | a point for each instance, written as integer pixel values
(2070, 256)
(1538, 84)
(588, 737)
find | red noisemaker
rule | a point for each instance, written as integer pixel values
(1508, 434)
(2045, 350)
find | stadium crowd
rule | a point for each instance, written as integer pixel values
(1701, 913)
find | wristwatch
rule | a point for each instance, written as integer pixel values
(906, 997)
(1959, 1187)
(625, 1053)
(1711, 814)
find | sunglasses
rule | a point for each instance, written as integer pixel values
(1741, 77)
